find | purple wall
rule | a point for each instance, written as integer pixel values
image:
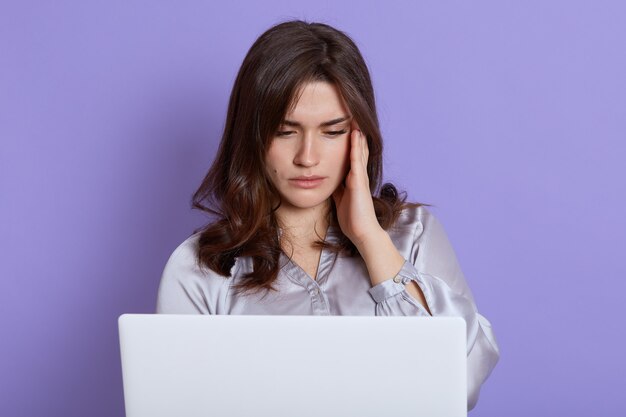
(510, 117)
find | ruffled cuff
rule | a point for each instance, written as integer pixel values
(392, 298)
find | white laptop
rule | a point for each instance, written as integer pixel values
(293, 366)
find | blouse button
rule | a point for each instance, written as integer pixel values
(315, 291)
(397, 280)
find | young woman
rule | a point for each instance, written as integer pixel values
(301, 222)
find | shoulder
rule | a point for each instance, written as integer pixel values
(182, 269)
(414, 221)
(421, 237)
(185, 286)
(417, 230)
(184, 257)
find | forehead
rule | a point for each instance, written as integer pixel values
(317, 101)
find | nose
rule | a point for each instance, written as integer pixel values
(307, 154)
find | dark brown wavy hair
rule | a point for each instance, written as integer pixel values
(236, 190)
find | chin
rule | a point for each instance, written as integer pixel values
(304, 203)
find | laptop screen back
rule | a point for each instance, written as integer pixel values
(293, 366)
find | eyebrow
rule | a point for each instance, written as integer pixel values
(323, 124)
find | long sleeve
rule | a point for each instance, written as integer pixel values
(432, 264)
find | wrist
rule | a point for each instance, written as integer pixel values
(381, 257)
(369, 242)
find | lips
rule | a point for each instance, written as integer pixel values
(307, 182)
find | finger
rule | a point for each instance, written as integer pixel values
(364, 154)
(361, 164)
(355, 148)
(355, 133)
(364, 158)
(364, 150)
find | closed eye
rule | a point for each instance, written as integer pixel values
(331, 133)
(336, 132)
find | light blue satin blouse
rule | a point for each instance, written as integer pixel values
(343, 287)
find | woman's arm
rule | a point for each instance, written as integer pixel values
(428, 282)
(384, 262)
(433, 265)
(357, 219)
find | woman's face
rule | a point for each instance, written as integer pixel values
(308, 156)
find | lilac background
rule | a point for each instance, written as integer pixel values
(508, 116)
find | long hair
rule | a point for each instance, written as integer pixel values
(237, 190)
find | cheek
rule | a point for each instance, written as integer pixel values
(271, 171)
(344, 160)
(272, 175)
(276, 159)
(271, 160)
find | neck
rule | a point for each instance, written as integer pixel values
(302, 227)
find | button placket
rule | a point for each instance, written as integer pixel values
(317, 299)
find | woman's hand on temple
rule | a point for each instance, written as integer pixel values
(355, 207)
(357, 219)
